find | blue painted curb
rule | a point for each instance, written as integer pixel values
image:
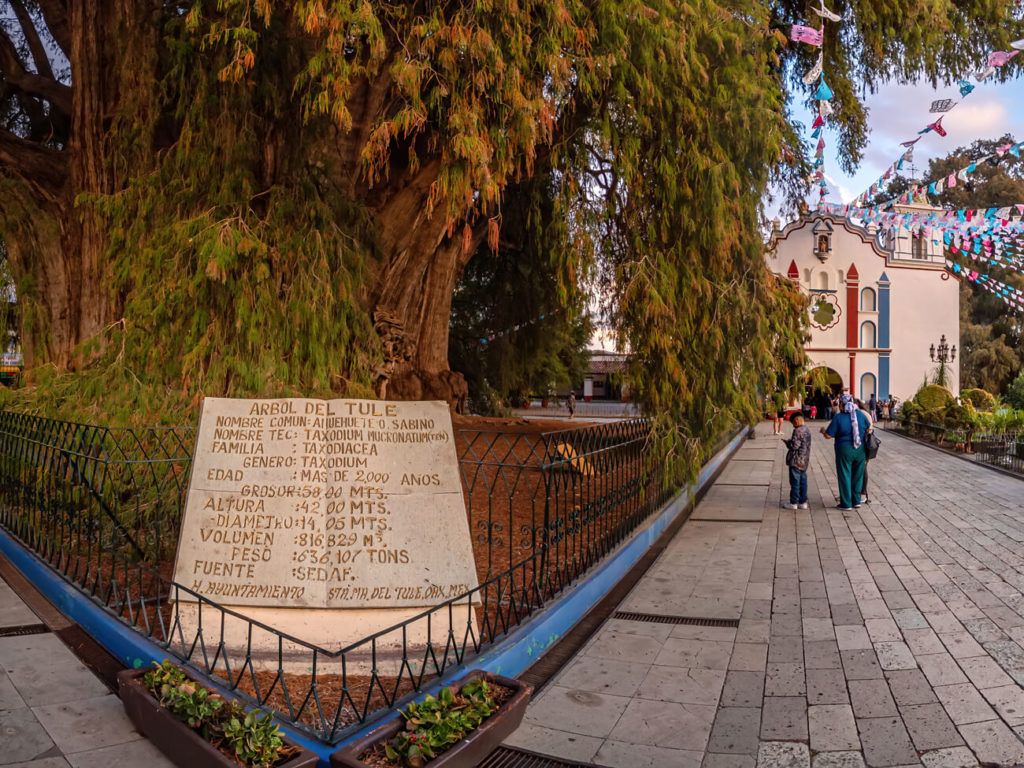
(508, 657)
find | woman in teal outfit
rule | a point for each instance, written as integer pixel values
(849, 428)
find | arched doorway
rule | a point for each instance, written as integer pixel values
(823, 383)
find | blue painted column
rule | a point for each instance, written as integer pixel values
(883, 336)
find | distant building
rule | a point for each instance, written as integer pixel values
(879, 301)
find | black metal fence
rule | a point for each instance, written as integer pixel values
(103, 506)
(1003, 450)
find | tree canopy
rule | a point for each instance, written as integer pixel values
(263, 197)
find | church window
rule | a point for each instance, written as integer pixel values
(823, 280)
(919, 246)
(868, 386)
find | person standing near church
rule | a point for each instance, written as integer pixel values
(798, 457)
(848, 428)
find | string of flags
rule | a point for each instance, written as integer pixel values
(498, 334)
(823, 94)
(941, 107)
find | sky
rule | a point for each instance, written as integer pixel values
(898, 112)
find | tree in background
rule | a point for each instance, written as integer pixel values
(991, 344)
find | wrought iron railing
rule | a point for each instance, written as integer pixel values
(999, 449)
(102, 507)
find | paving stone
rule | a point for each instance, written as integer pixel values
(786, 649)
(838, 760)
(575, 711)
(860, 664)
(713, 760)
(815, 608)
(909, 686)
(818, 629)
(548, 741)
(1008, 701)
(681, 685)
(23, 737)
(923, 641)
(749, 657)
(743, 689)
(851, 638)
(846, 613)
(871, 698)
(941, 669)
(785, 680)
(886, 742)
(783, 754)
(784, 717)
(944, 623)
(898, 600)
(874, 609)
(957, 757)
(895, 656)
(9, 697)
(961, 645)
(621, 754)
(623, 646)
(85, 724)
(964, 703)
(984, 630)
(44, 671)
(909, 618)
(1007, 653)
(60, 762)
(619, 678)
(708, 634)
(130, 755)
(786, 624)
(993, 742)
(984, 672)
(832, 728)
(883, 630)
(694, 654)
(754, 631)
(665, 724)
(735, 731)
(826, 686)
(822, 654)
(930, 727)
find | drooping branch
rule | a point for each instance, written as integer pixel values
(18, 77)
(35, 45)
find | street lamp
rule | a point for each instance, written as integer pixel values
(945, 354)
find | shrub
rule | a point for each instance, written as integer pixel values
(979, 398)
(1015, 393)
(933, 397)
(955, 416)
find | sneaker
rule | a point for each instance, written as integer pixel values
(789, 506)
(865, 500)
(845, 509)
(803, 506)
(856, 506)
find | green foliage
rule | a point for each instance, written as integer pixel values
(435, 724)
(978, 398)
(933, 397)
(253, 740)
(1015, 392)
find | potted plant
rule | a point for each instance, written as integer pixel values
(196, 727)
(458, 728)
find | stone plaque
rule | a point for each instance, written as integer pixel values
(314, 504)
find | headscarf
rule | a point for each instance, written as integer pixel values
(849, 405)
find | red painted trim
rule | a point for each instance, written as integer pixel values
(853, 374)
(852, 306)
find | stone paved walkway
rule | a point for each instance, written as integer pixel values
(54, 713)
(892, 635)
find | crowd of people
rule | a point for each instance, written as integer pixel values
(851, 424)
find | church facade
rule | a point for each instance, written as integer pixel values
(879, 301)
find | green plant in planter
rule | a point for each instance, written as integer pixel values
(435, 724)
(255, 741)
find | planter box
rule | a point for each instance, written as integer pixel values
(470, 751)
(183, 746)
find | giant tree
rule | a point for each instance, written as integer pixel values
(270, 197)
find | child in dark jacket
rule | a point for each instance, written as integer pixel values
(797, 459)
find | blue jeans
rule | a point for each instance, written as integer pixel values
(797, 486)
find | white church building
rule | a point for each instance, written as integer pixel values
(879, 301)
